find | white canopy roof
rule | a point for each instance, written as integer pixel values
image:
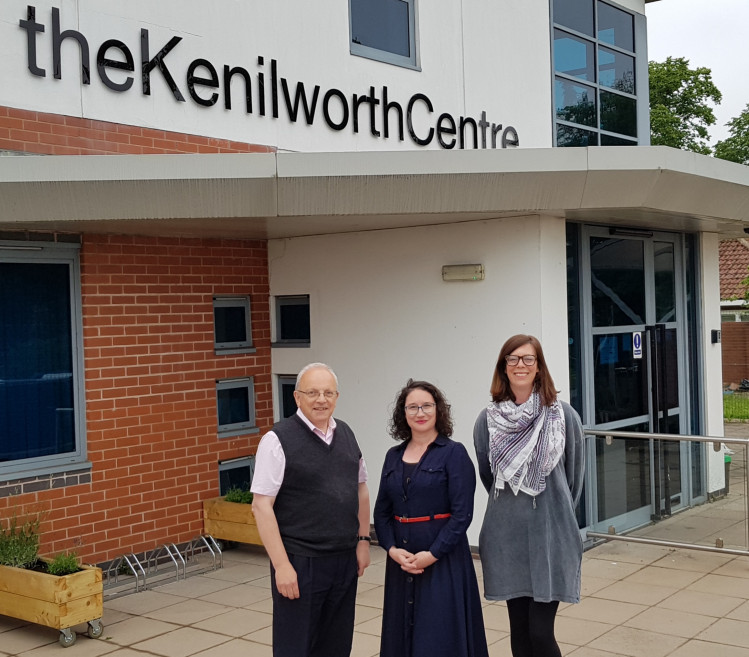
(291, 194)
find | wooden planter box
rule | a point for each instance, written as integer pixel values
(54, 601)
(230, 521)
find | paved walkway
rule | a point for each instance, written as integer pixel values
(638, 601)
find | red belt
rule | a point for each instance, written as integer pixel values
(436, 516)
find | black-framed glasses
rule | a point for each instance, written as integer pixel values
(528, 359)
(427, 409)
(314, 394)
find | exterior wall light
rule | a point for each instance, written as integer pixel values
(462, 272)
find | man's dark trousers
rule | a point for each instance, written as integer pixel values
(320, 623)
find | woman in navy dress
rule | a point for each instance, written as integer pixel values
(423, 509)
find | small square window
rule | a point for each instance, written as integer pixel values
(384, 30)
(287, 403)
(231, 325)
(292, 321)
(235, 473)
(235, 402)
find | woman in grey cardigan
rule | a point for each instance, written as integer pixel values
(529, 447)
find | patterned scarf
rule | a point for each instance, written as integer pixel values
(525, 443)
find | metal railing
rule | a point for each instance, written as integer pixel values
(732, 499)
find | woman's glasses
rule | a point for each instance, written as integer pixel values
(528, 360)
(427, 409)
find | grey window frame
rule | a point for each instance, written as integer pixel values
(238, 428)
(234, 464)
(385, 56)
(288, 300)
(57, 253)
(284, 380)
(640, 94)
(241, 347)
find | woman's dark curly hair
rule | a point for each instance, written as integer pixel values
(398, 426)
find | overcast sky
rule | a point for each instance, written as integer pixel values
(710, 33)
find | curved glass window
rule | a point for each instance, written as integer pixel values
(574, 56)
(576, 103)
(575, 14)
(616, 27)
(594, 43)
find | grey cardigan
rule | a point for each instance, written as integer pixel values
(533, 550)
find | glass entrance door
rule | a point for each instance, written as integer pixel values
(633, 330)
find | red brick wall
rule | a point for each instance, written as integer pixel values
(734, 338)
(55, 134)
(150, 391)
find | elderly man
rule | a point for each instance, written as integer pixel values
(311, 504)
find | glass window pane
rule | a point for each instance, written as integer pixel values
(622, 474)
(575, 14)
(292, 319)
(620, 380)
(381, 24)
(616, 70)
(617, 273)
(230, 324)
(665, 282)
(236, 474)
(616, 27)
(233, 405)
(608, 140)
(287, 385)
(618, 114)
(570, 137)
(574, 56)
(575, 102)
(37, 415)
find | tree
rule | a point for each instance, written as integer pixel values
(736, 147)
(680, 113)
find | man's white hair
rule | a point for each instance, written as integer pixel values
(315, 366)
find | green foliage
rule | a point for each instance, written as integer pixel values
(64, 564)
(736, 147)
(680, 111)
(19, 541)
(238, 495)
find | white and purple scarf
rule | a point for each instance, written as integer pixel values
(526, 441)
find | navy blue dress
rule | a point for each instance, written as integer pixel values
(439, 611)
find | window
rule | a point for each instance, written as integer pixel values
(286, 387)
(597, 73)
(292, 321)
(235, 473)
(231, 325)
(384, 30)
(42, 425)
(235, 400)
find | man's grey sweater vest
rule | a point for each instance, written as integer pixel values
(318, 504)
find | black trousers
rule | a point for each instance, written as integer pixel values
(320, 622)
(532, 628)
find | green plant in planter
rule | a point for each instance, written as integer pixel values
(65, 563)
(19, 541)
(239, 495)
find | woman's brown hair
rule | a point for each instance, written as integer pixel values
(543, 383)
(399, 428)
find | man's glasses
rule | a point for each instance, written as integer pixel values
(528, 360)
(427, 409)
(314, 394)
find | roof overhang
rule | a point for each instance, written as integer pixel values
(272, 195)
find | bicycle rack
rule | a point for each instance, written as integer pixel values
(145, 569)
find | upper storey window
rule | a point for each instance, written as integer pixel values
(384, 30)
(598, 75)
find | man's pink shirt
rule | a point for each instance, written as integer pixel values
(270, 461)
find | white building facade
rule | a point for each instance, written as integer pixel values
(400, 137)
